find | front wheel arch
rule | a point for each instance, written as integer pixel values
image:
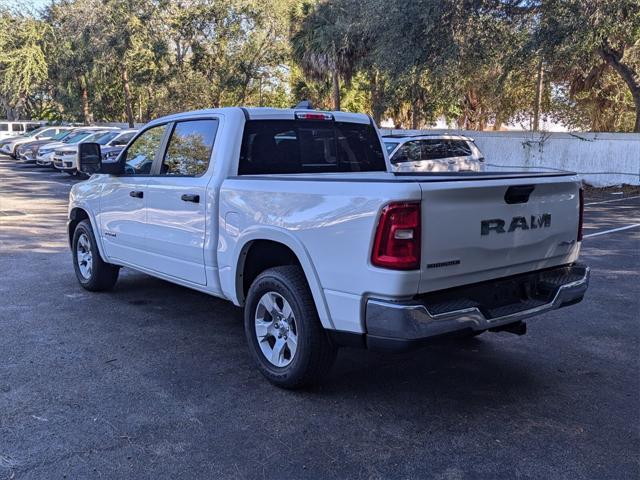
(77, 215)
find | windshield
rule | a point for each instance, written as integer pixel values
(76, 137)
(390, 146)
(35, 132)
(104, 137)
(61, 135)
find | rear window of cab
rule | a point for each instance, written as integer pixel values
(309, 146)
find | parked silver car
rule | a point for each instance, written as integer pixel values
(65, 159)
(433, 153)
(9, 145)
(44, 156)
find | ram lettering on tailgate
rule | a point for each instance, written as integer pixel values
(497, 225)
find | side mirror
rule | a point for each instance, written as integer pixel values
(90, 161)
(89, 158)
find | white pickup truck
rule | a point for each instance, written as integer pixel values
(296, 216)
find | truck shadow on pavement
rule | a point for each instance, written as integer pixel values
(477, 370)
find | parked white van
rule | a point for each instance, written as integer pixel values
(12, 129)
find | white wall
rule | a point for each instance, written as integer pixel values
(602, 159)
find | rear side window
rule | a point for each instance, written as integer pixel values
(4, 127)
(444, 148)
(431, 149)
(17, 127)
(302, 146)
(189, 148)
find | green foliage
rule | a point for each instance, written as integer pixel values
(23, 67)
(477, 63)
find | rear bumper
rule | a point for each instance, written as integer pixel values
(396, 325)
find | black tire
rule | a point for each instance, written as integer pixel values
(103, 276)
(315, 353)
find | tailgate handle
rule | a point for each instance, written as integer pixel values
(518, 194)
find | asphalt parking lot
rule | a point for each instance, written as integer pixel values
(153, 380)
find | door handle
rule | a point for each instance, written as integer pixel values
(136, 194)
(190, 197)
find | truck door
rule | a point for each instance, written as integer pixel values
(177, 201)
(123, 202)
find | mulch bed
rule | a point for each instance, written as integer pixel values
(610, 193)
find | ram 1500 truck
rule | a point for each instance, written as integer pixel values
(296, 216)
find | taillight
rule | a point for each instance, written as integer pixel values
(581, 215)
(397, 242)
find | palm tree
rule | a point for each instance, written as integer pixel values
(325, 46)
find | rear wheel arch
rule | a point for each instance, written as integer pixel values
(258, 255)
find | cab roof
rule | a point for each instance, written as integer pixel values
(425, 136)
(263, 113)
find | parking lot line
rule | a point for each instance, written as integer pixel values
(612, 230)
(610, 201)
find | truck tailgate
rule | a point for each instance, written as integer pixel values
(480, 230)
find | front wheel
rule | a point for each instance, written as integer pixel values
(92, 272)
(285, 336)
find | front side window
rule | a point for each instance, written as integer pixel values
(139, 156)
(33, 126)
(189, 148)
(303, 146)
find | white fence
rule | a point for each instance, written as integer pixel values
(601, 159)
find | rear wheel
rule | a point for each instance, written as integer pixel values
(92, 272)
(285, 336)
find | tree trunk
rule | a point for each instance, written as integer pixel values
(9, 113)
(630, 77)
(537, 108)
(497, 124)
(336, 91)
(376, 86)
(84, 91)
(148, 112)
(127, 96)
